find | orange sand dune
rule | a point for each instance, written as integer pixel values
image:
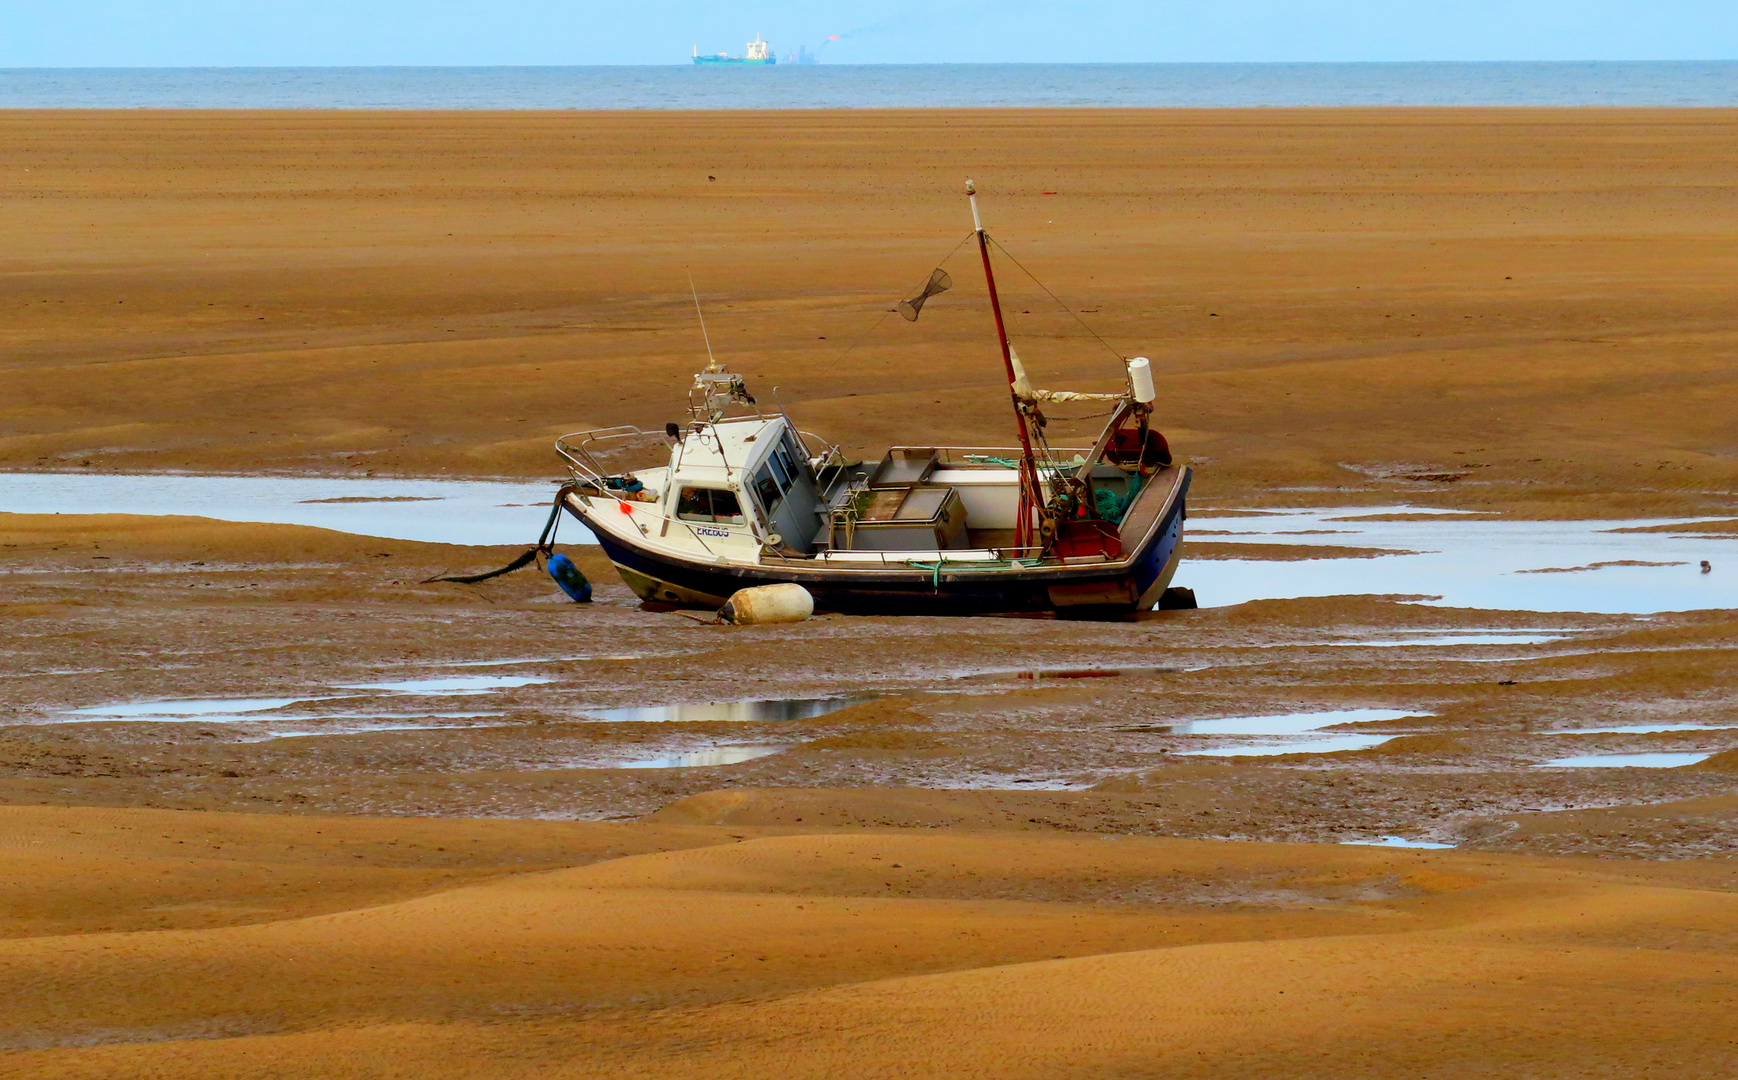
(875, 954)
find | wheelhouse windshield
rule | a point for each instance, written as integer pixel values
(713, 505)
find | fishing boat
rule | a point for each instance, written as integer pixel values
(747, 499)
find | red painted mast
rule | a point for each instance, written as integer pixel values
(1031, 491)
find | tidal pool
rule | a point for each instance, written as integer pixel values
(188, 708)
(376, 723)
(733, 711)
(699, 759)
(1639, 729)
(1290, 724)
(1624, 761)
(454, 685)
(1456, 558)
(434, 511)
(1334, 745)
(1468, 560)
(1400, 842)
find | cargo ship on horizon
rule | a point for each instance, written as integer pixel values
(756, 52)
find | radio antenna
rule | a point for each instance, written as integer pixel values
(710, 362)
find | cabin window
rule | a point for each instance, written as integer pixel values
(780, 469)
(796, 458)
(709, 504)
(768, 488)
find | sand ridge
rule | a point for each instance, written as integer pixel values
(751, 953)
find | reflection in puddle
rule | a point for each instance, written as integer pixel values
(732, 711)
(698, 759)
(435, 511)
(1475, 562)
(1639, 729)
(1288, 723)
(1303, 746)
(191, 707)
(458, 684)
(1398, 841)
(1624, 761)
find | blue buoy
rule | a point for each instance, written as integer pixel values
(567, 576)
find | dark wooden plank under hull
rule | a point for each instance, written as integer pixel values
(1152, 532)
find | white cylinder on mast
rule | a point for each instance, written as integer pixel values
(1140, 380)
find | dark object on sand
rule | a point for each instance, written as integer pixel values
(560, 567)
(567, 576)
(1177, 598)
(472, 579)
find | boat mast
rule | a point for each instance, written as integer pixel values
(1031, 492)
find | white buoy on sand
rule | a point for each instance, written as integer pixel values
(768, 604)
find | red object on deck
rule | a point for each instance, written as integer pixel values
(1077, 537)
(1125, 448)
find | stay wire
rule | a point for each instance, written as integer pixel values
(1113, 349)
(864, 336)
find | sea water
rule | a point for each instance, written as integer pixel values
(893, 86)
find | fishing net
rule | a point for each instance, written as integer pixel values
(939, 282)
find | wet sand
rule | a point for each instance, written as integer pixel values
(970, 872)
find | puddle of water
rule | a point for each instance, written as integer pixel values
(733, 711)
(198, 708)
(368, 729)
(1458, 639)
(1468, 561)
(1624, 761)
(1640, 729)
(434, 511)
(1398, 841)
(1435, 638)
(1303, 746)
(1288, 723)
(454, 685)
(1509, 659)
(699, 759)
(264, 724)
(539, 660)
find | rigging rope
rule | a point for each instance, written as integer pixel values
(864, 336)
(1113, 350)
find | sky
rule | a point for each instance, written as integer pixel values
(243, 33)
